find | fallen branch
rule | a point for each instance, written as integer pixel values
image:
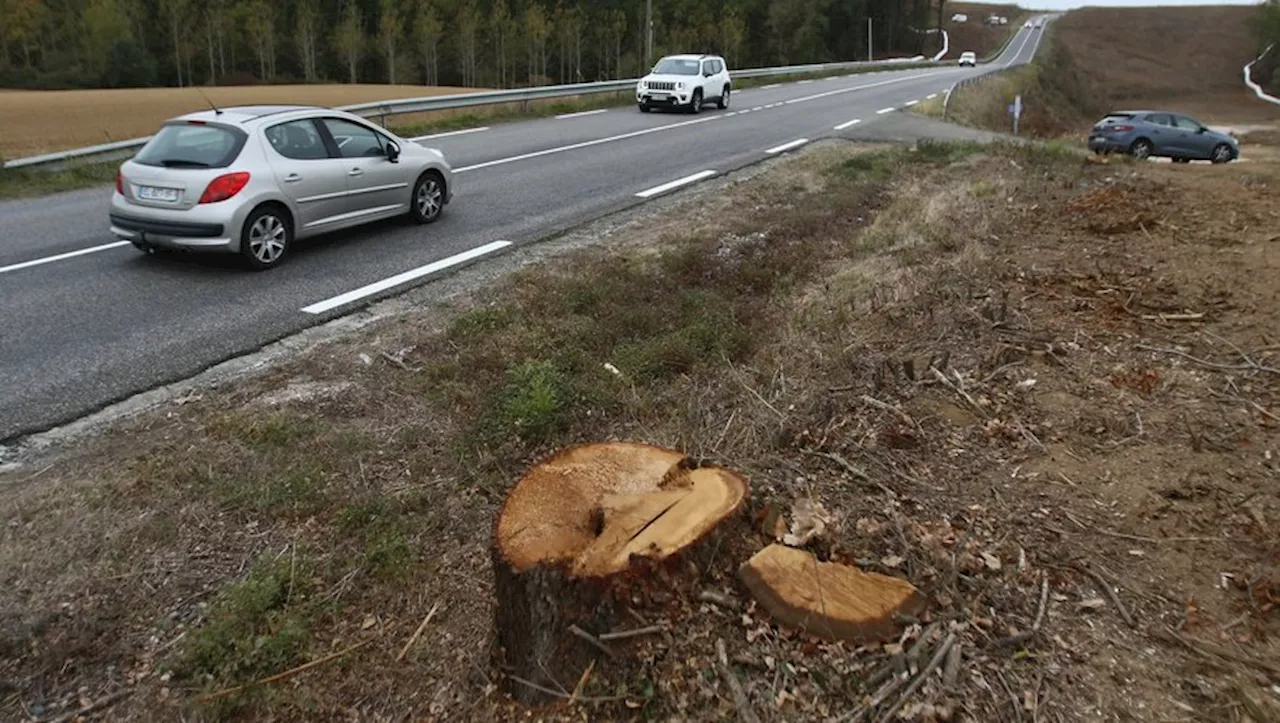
(1115, 599)
(624, 634)
(414, 638)
(1210, 364)
(591, 639)
(566, 696)
(745, 713)
(95, 706)
(1207, 649)
(1025, 635)
(934, 662)
(577, 689)
(205, 698)
(963, 394)
(718, 598)
(1141, 538)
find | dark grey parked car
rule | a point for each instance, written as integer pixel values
(1146, 133)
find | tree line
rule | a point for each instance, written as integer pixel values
(485, 43)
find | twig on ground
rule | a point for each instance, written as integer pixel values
(934, 662)
(1044, 603)
(718, 598)
(95, 706)
(1196, 316)
(1111, 593)
(414, 638)
(963, 394)
(745, 713)
(566, 696)
(1141, 538)
(1211, 364)
(591, 639)
(577, 689)
(399, 362)
(1207, 649)
(951, 671)
(286, 674)
(855, 471)
(907, 418)
(624, 634)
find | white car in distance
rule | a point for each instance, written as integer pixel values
(968, 58)
(685, 81)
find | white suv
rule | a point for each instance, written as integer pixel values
(968, 58)
(685, 81)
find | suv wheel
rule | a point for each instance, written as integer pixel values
(265, 238)
(724, 99)
(695, 103)
(1141, 149)
(644, 107)
(1221, 153)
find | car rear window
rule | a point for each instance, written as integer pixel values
(192, 145)
(1116, 117)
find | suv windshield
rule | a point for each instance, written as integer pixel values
(192, 145)
(676, 66)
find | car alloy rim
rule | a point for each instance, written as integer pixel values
(1222, 154)
(429, 199)
(726, 97)
(266, 239)
(1141, 150)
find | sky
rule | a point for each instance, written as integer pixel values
(1069, 4)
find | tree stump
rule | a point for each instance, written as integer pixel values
(575, 533)
(828, 599)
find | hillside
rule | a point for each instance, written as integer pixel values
(1187, 58)
(973, 34)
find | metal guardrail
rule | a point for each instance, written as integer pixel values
(1256, 88)
(383, 109)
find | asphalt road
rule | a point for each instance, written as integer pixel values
(84, 326)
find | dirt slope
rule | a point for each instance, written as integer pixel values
(1186, 58)
(973, 34)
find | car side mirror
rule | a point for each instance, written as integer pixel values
(1202, 129)
(393, 152)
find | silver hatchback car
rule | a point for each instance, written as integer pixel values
(253, 179)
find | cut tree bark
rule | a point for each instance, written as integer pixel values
(828, 599)
(574, 538)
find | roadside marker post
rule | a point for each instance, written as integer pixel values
(1015, 109)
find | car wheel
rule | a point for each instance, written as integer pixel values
(266, 237)
(644, 107)
(695, 103)
(1141, 149)
(724, 99)
(1221, 153)
(428, 198)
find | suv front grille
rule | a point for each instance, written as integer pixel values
(661, 85)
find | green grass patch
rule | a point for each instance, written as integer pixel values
(25, 183)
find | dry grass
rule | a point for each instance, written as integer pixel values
(333, 501)
(40, 121)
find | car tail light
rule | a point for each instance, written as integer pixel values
(224, 187)
(119, 183)
(1122, 129)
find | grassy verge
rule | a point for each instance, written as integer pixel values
(23, 183)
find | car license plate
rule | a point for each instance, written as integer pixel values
(660, 96)
(153, 193)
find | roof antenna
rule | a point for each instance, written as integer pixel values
(216, 111)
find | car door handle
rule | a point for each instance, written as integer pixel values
(292, 178)
(355, 172)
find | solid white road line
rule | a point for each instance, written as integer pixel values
(450, 133)
(404, 278)
(59, 257)
(579, 114)
(651, 192)
(787, 146)
(853, 122)
(882, 111)
(910, 103)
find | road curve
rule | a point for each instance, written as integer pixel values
(87, 323)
